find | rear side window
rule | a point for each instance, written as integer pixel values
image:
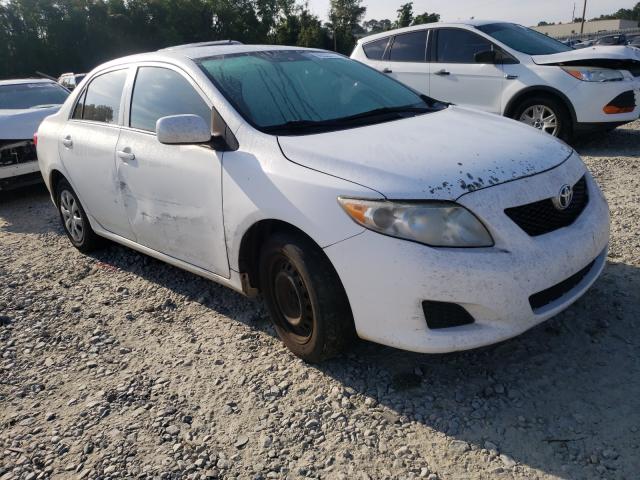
(160, 92)
(459, 46)
(409, 47)
(375, 50)
(101, 101)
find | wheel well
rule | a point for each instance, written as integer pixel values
(251, 244)
(545, 91)
(55, 178)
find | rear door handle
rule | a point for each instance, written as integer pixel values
(387, 70)
(442, 72)
(125, 156)
(67, 141)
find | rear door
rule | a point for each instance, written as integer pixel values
(172, 193)
(457, 76)
(407, 60)
(87, 149)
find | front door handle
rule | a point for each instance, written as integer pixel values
(67, 141)
(125, 156)
(387, 70)
(442, 72)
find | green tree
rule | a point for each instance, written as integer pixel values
(405, 15)
(344, 18)
(426, 18)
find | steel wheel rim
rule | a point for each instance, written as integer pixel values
(292, 301)
(542, 118)
(71, 216)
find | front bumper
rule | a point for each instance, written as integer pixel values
(387, 279)
(590, 98)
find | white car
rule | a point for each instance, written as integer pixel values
(23, 105)
(513, 71)
(355, 205)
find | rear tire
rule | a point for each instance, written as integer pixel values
(546, 114)
(305, 297)
(74, 219)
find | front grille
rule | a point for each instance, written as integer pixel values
(545, 297)
(543, 217)
(13, 152)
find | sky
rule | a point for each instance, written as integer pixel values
(526, 12)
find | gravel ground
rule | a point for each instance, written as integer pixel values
(116, 365)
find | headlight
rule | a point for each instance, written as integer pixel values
(437, 224)
(593, 74)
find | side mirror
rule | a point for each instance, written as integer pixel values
(485, 56)
(183, 129)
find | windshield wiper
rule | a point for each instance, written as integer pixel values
(350, 120)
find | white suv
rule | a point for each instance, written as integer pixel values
(511, 70)
(354, 204)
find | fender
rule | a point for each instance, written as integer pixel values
(513, 101)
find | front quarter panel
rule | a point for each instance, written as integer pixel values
(259, 183)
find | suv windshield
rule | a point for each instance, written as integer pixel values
(31, 95)
(523, 39)
(290, 92)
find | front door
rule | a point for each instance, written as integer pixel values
(458, 77)
(87, 146)
(172, 193)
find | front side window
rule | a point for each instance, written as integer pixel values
(160, 92)
(409, 47)
(23, 96)
(101, 102)
(375, 50)
(455, 45)
(276, 90)
(524, 39)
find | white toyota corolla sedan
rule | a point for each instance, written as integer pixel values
(355, 205)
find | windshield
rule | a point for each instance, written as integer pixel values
(31, 95)
(289, 91)
(524, 39)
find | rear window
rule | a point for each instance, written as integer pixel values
(31, 95)
(375, 50)
(101, 101)
(409, 47)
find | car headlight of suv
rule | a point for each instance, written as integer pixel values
(437, 224)
(594, 74)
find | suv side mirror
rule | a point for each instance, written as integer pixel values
(486, 56)
(182, 129)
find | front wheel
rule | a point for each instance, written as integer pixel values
(305, 297)
(546, 114)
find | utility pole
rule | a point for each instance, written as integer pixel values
(584, 14)
(573, 15)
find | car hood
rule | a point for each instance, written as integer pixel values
(616, 53)
(22, 124)
(440, 155)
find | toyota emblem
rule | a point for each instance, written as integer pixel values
(564, 197)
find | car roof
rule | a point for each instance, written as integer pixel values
(22, 81)
(184, 53)
(466, 23)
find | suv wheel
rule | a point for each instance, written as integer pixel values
(305, 297)
(546, 114)
(74, 219)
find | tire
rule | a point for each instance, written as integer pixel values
(74, 219)
(305, 297)
(533, 109)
